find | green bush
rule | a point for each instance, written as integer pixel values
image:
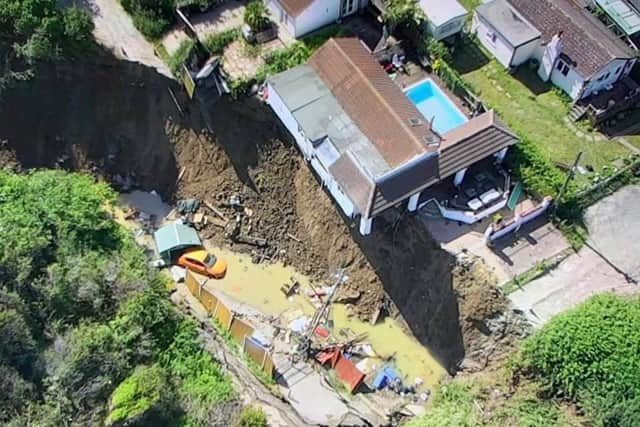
(180, 56)
(215, 43)
(151, 17)
(590, 355)
(252, 417)
(256, 16)
(143, 390)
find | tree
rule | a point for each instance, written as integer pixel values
(256, 16)
(401, 12)
(35, 30)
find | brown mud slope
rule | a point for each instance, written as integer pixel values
(110, 117)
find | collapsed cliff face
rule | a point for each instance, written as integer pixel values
(116, 119)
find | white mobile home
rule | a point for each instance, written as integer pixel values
(445, 18)
(575, 51)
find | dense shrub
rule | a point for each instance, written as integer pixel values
(180, 56)
(80, 309)
(252, 417)
(590, 355)
(151, 17)
(256, 16)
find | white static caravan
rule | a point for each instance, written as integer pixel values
(445, 18)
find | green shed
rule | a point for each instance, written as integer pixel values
(173, 239)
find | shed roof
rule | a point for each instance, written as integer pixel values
(622, 14)
(585, 40)
(295, 7)
(174, 237)
(473, 141)
(508, 22)
(442, 11)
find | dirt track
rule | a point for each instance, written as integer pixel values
(112, 117)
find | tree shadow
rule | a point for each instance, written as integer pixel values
(467, 57)
(529, 77)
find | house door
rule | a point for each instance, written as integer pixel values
(348, 7)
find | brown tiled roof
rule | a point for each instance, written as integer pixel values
(376, 105)
(353, 182)
(296, 7)
(585, 39)
(471, 142)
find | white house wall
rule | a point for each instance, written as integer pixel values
(287, 119)
(525, 52)
(500, 48)
(571, 83)
(317, 15)
(595, 85)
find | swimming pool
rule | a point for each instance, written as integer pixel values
(432, 102)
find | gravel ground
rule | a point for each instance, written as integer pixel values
(114, 29)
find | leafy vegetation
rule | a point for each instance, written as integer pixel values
(590, 355)
(83, 320)
(252, 417)
(215, 43)
(37, 30)
(151, 17)
(401, 12)
(466, 402)
(180, 56)
(256, 16)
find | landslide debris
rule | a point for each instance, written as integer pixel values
(118, 121)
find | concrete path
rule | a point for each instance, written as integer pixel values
(577, 278)
(114, 29)
(614, 230)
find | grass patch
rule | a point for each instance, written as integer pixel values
(540, 269)
(533, 109)
(181, 54)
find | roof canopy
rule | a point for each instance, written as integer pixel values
(442, 11)
(624, 16)
(508, 22)
(175, 237)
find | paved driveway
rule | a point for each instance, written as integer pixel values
(614, 230)
(609, 262)
(114, 29)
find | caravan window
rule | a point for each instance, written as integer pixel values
(563, 67)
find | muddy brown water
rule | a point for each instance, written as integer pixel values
(258, 285)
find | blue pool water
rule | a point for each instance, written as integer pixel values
(432, 102)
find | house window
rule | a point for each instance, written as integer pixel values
(563, 67)
(491, 36)
(348, 7)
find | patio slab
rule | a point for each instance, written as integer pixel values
(510, 256)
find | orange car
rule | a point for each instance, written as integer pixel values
(201, 261)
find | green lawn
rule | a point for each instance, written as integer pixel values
(533, 109)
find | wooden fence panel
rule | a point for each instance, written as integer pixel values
(255, 351)
(208, 300)
(192, 283)
(224, 316)
(239, 329)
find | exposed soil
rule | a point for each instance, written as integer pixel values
(117, 118)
